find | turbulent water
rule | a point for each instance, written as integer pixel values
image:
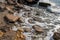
(51, 25)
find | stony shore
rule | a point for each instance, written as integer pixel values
(21, 21)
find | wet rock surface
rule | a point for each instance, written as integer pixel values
(56, 36)
(11, 18)
(44, 4)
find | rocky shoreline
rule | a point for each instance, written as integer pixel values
(20, 21)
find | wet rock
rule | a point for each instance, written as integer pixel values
(11, 2)
(10, 35)
(11, 18)
(47, 21)
(50, 26)
(44, 4)
(37, 28)
(38, 19)
(32, 1)
(1, 33)
(5, 28)
(31, 21)
(21, 20)
(18, 7)
(56, 36)
(21, 1)
(1, 9)
(20, 36)
(2, 24)
(27, 29)
(27, 1)
(20, 29)
(27, 15)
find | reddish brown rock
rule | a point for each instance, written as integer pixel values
(37, 28)
(11, 18)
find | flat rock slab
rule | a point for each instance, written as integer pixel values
(11, 18)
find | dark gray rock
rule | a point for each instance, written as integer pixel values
(44, 4)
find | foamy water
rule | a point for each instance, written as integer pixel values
(44, 15)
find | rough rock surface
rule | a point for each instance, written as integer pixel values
(56, 36)
(11, 18)
(37, 28)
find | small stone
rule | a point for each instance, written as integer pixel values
(31, 21)
(56, 36)
(11, 18)
(27, 15)
(37, 28)
(38, 19)
(27, 29)
(21, 20)
(20, 29)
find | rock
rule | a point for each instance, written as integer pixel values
(21, 20)
(21, 1)
(5, 28)
(20, 29)
(1, 9)
(10, 35)
(38, 19)
(43, 4)
(27, 15)
(27, 29)
(31, 1)
(56, 36)
(31, 21)
(20, 36)
(27, 1)
(2, 24)
(11, 18)
(37, 28)
(1, 33)
(12, 2)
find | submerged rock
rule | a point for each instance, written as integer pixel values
(38, 19)
(27, 29)
(37, 28)
(31, 21)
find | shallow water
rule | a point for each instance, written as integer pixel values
(53, 20)
(43, 15)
